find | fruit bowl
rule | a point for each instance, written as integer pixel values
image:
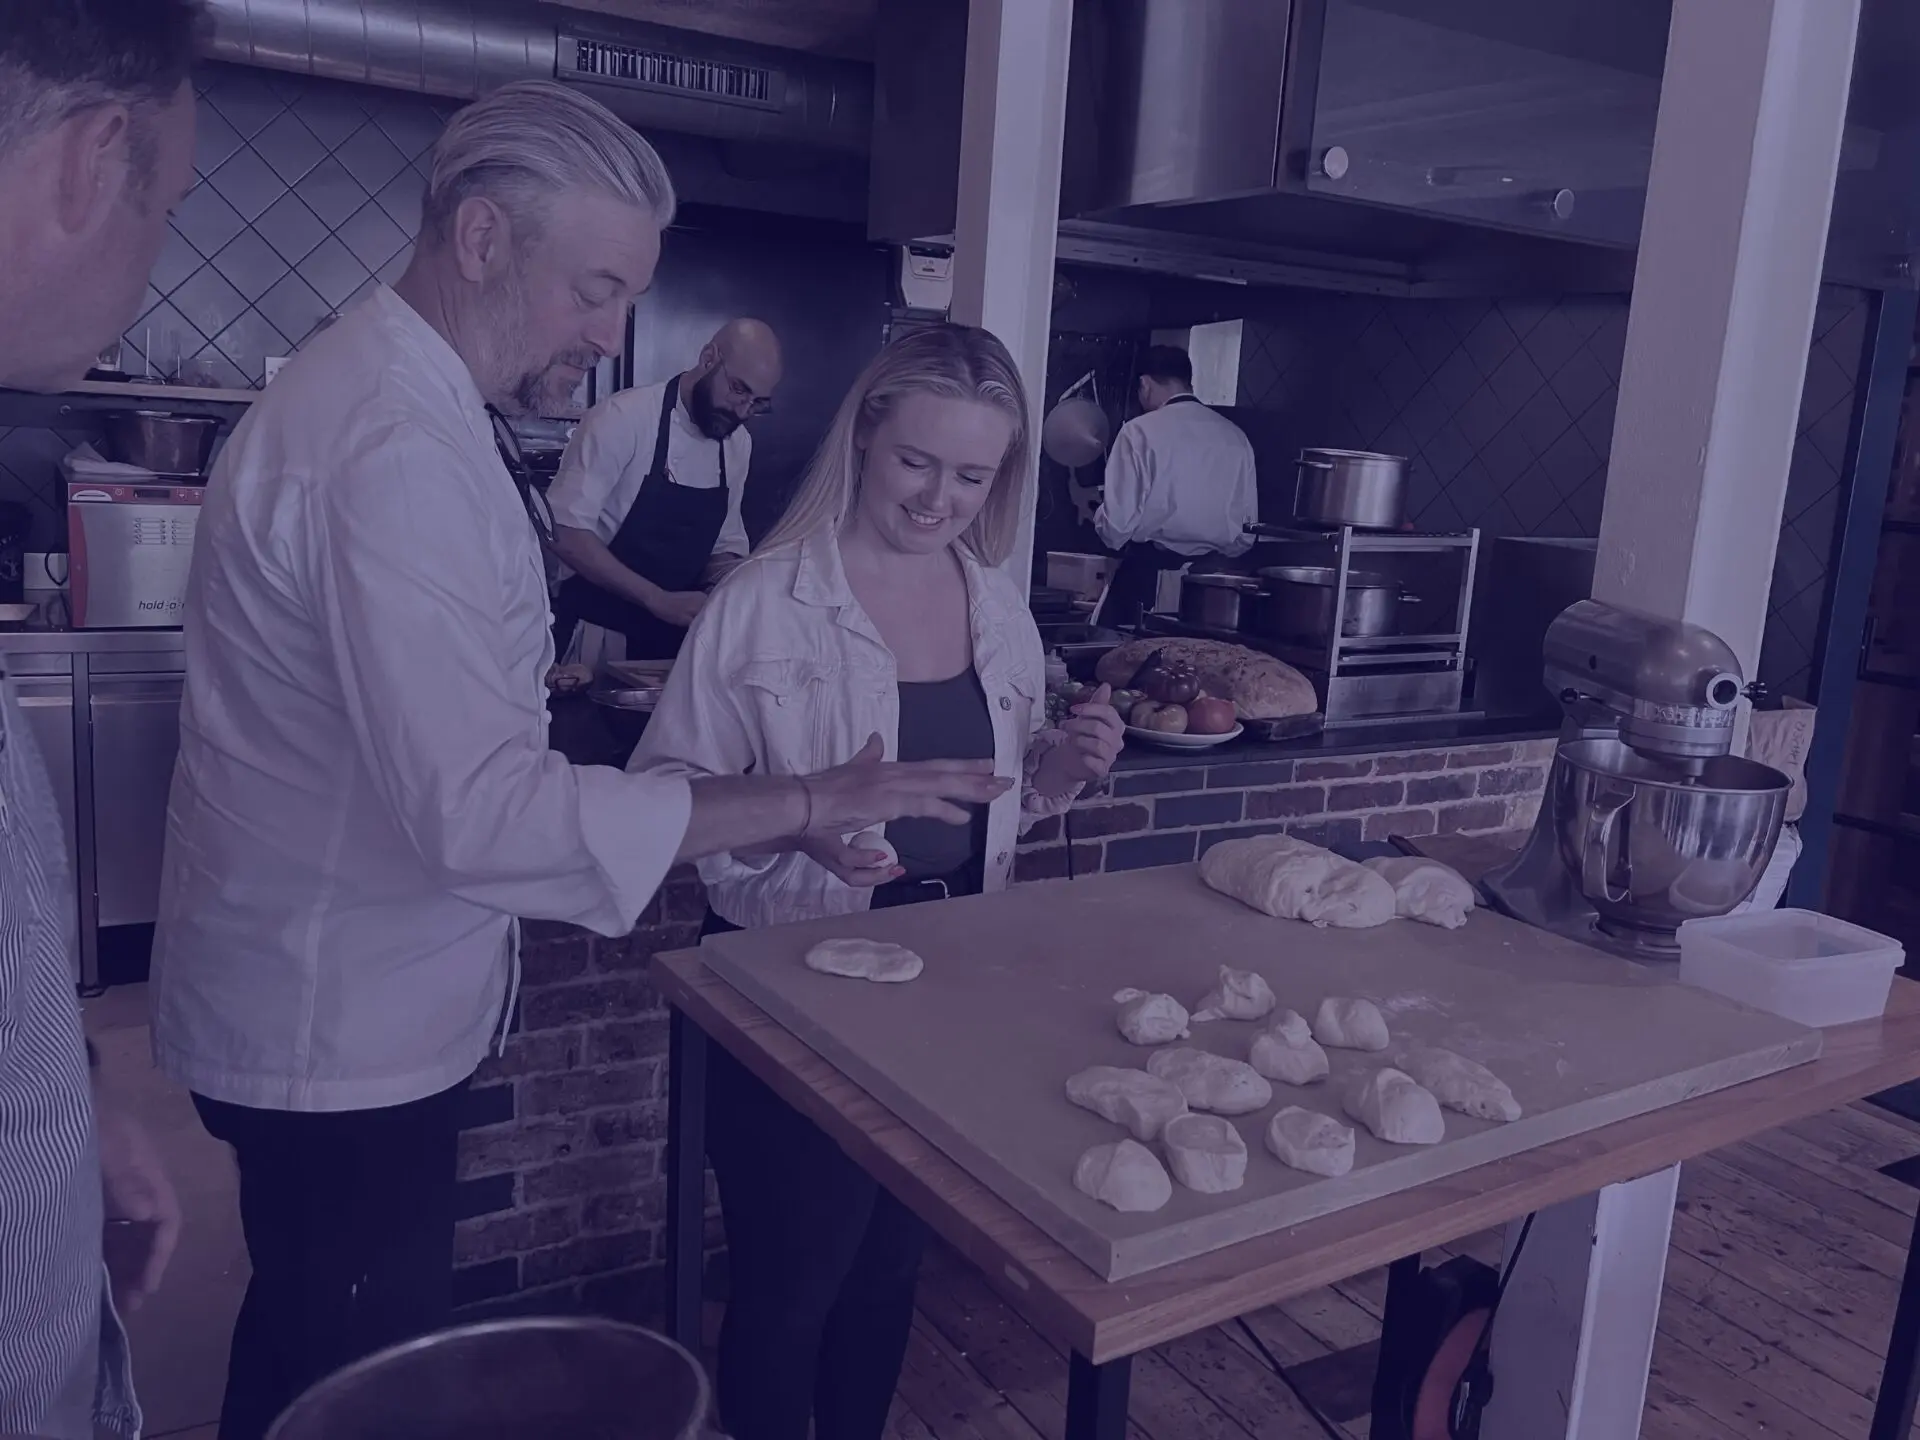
(1171, 741)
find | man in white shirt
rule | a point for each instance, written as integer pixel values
(365, 797)
(646, 506)
(1180, 485)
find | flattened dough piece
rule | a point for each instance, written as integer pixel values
(1125, 1175)
(1240, 995)
(1206, 1153)
(1392, 1105)
(1293, 880)
(1425, 889)
(1461, 1084)
(1286, 1050)
(1143, 1103)
(1212, 1082)
(1150, 1019)
(865, 960)
(1310, 1141)
(1349, 1024)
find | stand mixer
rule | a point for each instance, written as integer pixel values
(1647, 820)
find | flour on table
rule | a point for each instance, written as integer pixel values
(1310, 1141)
(1425, 889)
(1212, 1082)
(1125, 1175)
(1349, 1024)
(1143, 1103)
(1150, 1019)
(865, 960)
(1205, 1153)
(1292, 880)
(1286, 1050)
(1392, 1105)
(1240, 995)
(1461, 1084)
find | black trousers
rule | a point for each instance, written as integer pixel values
(822, 1261)
(348, 1218)
(1135, 583)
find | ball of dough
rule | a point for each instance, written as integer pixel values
(1307, 1140)
(1240, 995)
(1392, 1105)
(1125, 1175)
(1286, 1050)
(1461, 1084)
(1425, 889)
(1212, 1082)
(1205, 1153)
(1150, 1019)
(1143, 1103)
(865, 960)
(1348, 1024)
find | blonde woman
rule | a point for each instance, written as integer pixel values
(873, 616)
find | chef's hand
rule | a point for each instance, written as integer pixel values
(851, 864)
(1094, 735)
(142, 1212)
(869, 791)
(678, 607)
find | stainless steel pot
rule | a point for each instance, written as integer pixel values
(582, 1378)
(173, 445)
(1215, 602)
(1650, 846)
(1351, 487)
(1296, 602)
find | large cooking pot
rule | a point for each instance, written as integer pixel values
(581, 1378)
(173, 445)
(1216, 601)
(1351, 487)
(1650, 846)
(1296, 602)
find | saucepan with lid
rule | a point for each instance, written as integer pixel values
(1351, 487)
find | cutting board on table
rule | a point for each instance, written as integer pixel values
(1017, 995)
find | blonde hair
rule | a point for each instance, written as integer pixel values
(961, 362)
(527, 141)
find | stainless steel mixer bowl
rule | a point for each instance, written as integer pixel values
(556, 1377)
(1651, 847)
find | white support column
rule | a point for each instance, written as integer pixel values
(1009, 200)
(1744, 158)
(1574, 1335)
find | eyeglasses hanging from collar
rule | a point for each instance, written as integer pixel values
(531, 495)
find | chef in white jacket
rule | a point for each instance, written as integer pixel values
(1180, 486)
(365, 797)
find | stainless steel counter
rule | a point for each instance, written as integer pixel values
(104, 706)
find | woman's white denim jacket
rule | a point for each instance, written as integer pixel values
(783, 673)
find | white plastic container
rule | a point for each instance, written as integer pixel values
(1794, 963)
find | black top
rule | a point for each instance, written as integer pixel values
(942, 720)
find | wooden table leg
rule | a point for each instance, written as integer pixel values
(686, 1176)
(1900, 1379)
(1097, 1398)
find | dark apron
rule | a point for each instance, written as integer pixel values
(1136, 579)
(667, 537)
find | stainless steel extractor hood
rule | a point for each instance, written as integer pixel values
(652, 76)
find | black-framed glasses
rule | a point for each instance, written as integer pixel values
(539, 510)
(741, 393)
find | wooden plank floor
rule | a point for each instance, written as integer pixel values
(1786, 1257)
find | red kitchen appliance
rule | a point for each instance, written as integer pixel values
(131, 545)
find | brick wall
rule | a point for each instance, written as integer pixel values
(562, 1183)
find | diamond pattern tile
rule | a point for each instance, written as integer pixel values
(289, 147)
(209, 301)
(331, 193)
(371, 236)
(370, 158)
(250, 265)
(291, 229)
(205, 221)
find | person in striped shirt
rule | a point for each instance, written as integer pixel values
(96, 145)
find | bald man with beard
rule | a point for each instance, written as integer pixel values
(647, 503)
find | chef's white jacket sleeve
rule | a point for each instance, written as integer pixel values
(698, 727)
(401, 561)
(1123, 505)
(1244, 508)
(598, 455)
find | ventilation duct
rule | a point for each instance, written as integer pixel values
(654, 77)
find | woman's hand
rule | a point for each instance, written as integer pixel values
(1093, 737)
(854, 864)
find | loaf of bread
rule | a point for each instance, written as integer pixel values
(1260, 687)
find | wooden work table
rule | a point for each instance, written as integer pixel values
(1103, 1322)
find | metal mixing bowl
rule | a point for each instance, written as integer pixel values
(171, 445)
(556, 1377)
(1651, 846)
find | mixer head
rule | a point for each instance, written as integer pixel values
(1672, 685)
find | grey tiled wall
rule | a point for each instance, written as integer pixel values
(1506, 409)
(307, 191)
